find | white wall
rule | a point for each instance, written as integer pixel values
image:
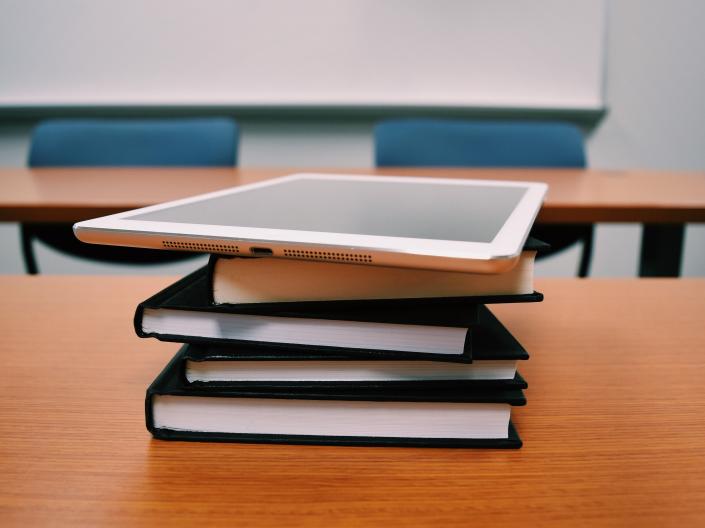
(239, 52)
(654, 90)
(656, 97)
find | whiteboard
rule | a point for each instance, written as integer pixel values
(431, 53)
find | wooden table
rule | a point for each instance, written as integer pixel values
(614, 429)
(661, 200)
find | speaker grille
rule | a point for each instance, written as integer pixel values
(328, 256)
(205, 247)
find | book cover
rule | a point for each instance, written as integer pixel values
(495, 356)
(196, 411)
(437, 329)
(247, 280)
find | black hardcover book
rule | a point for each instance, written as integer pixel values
(247, 280)
(438, 329)
(441, 418)
(494, 366)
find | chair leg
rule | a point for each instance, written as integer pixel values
(661, 250)
(586, 256)
(30, 262)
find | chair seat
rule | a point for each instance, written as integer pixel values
(193, 142)
(458, 143)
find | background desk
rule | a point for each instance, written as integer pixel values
(613, 429)
(661, 200)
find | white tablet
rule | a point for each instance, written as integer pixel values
(450, 224)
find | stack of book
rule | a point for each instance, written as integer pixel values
(303, 352)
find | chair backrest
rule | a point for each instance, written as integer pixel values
(207, 142)
(451, 143)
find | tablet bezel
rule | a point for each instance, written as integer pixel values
(498, 255)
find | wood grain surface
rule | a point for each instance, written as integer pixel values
(614, 429)
(72, 194)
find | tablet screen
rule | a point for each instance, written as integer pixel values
(383, 208)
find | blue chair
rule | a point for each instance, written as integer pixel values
(208, 142)
(451, 143)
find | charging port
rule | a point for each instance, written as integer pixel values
(261, 252)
